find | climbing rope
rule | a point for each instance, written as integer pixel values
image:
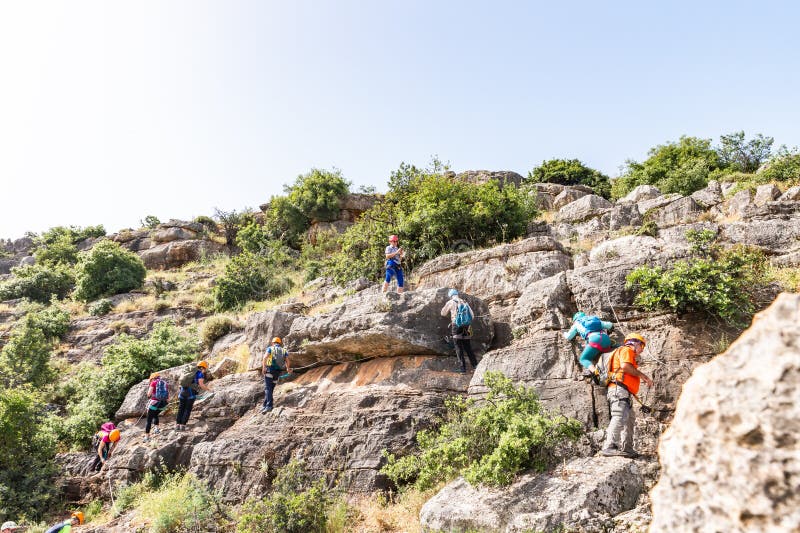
(110, 489)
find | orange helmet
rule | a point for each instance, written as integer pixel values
(203, 364)
(277, 340)
(78, 515)
(114, 435)
(635, 337)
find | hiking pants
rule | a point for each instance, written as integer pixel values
(396, 272)
(184, 410)
(602, 344)
(269, 388)
(152, 419)
(97, 465)
(463, 346)
(620, 429)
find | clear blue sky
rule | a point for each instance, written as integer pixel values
(113, 111)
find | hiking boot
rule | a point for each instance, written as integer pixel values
(460, 371)
(266, 410)
(156, 430)
(630, 454)
(611, 452)
(146, 439)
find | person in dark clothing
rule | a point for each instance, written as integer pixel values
(461, 334)
(276, 360)
(188, 395)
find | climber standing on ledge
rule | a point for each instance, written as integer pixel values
(394, 256)
(624, 378)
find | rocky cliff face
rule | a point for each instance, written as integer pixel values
(377, 369)
(731, 457)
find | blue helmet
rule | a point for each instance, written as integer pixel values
(578, 315)
(451, 293)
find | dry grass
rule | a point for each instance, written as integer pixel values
(373, 513)
(548, 216)
(321, 309)
(787, 277)
(75, 309)
(139, 304)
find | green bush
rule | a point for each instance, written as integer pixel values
(26, 452)
(254, 238)
(314, 254)
(741, 156)
(214, 328)
(57, 246)
(52, 321)
(285, 222)
(785, 167)
(101, 307)
(181, 502)
(25, 358)
(107, 269)
(571, 172)
(676, 167)
(39, 283)
(207, 222)
(150, 221)
(250, 276)
(232, 221)
(720, 282)
(317, 193)
(432, 213)
(487, 442)
(99, 392)
(297, 504)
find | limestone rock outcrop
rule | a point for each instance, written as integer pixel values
(582, 494)
(170, 244)
(731, 457)
(366, 325)
(498, 275)
(342, 415)
(502, 177)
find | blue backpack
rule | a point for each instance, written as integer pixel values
(591, 324)
(162, 391)
(463, 315)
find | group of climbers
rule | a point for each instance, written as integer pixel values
(604, 362)
(607, 364)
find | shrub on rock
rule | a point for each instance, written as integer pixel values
(250, 276)
(38, 283)
(720, 282)
(215, 327)
(107, 269)
(297, 504)
(487, 441)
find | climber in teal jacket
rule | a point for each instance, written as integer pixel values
(595, 332)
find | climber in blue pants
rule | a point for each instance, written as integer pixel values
(595, 332)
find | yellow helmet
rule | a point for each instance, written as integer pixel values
(277, 340)
(203, 364)
(78, 515)
(635, 337)
(154, 375)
